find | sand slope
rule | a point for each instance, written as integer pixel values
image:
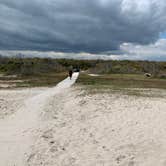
(69, 127)
(19, 131)
(101, 129)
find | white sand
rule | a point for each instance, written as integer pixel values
(66, 127)
(94, 75)
(19, 131)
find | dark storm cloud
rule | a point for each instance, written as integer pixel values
(79, 25)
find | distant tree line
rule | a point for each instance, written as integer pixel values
(130, 67)
(29, 66)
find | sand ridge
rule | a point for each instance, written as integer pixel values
(101, 129)
(19, 131)
(66, 126)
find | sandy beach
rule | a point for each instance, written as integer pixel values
(65, 126)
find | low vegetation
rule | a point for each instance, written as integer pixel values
(114, 74)
(128, 84)
(117, 81)
(31, 71)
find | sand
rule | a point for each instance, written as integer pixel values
(94, 75)
(64, 126)
(19, 131)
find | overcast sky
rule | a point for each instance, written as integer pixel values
(112, 29)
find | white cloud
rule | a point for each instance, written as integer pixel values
(52, 54)
(141, 6)
(155, 51)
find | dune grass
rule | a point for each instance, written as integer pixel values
(38, 80)
(122, 81)
(130, 84)
(45, 79)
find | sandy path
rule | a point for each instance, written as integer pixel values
(101, 130)
(69, 127)
(19, 131)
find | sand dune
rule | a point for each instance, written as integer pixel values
(101, 129)
(19, 131)
(67, 127)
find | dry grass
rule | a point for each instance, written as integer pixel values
(45, 79)
(127, 84)
(122, 81)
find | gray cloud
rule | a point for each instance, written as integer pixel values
(130, 51)
(155, 51)
(92, 26)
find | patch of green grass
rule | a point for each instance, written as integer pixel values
(49, 79)
(121, 81)
(38, 80)
(126, 84)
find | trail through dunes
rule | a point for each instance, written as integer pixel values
(18, 131)
(102, 129)
(70, 126)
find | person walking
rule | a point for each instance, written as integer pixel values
(70, 73)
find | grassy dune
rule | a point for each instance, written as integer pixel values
(49, 79)
(27, 72)
(122, 81)
(43, 79)
(128, 84)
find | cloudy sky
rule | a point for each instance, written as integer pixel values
(108, 29)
